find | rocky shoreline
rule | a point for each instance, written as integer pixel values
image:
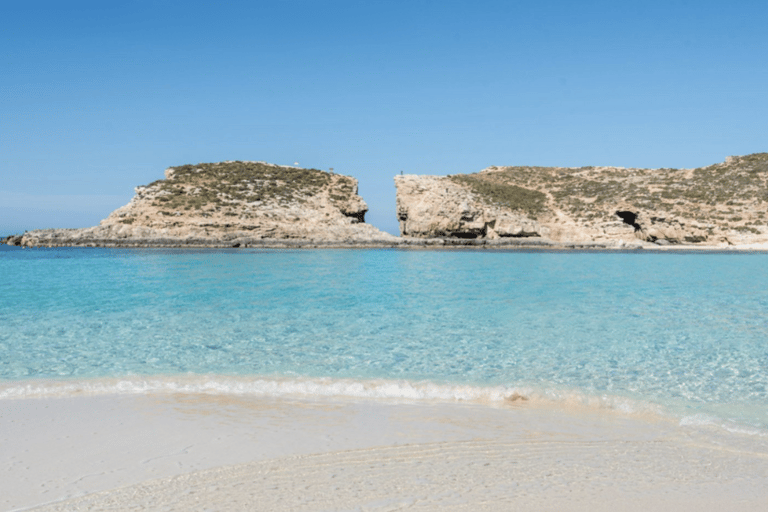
(527, 243)
(59, 238)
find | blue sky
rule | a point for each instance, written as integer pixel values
(97, 97)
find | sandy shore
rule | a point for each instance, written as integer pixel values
(202, 452)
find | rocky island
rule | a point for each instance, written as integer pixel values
(255, 204)
(229, 204)
(721, 205)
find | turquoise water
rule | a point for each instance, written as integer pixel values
(681, 333)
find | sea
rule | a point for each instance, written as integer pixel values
(678, 335)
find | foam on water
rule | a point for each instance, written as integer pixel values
(680, 333)
(388, 391)
(308, 388)
(273, 387)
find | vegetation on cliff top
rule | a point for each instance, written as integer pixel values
(500, 193)
(719, 193)
(211, 185)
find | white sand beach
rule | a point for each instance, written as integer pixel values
(213, 452)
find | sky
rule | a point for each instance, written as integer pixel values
(99, 97)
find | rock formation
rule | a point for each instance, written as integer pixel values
(254, 204)
(229, 204)
(722, 204)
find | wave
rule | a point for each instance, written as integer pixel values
(371, 389)
(305, 387)
(258, 386)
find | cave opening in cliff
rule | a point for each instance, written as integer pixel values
(629, 218)
(357, 217)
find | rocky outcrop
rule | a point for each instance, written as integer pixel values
(230, 204)
(722, 204)
(11, 240)
(436, 207)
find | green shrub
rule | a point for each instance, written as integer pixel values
(502, 194)
(232, 183)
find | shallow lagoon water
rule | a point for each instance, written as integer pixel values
(680, 334)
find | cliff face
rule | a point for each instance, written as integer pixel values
(230, 201)
(725, 203)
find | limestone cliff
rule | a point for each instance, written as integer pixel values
(230, 204)
(724, 204)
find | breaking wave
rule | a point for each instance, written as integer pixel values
(308, 388)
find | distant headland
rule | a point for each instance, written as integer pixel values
(256, 204)
(724, 204)
(229, 204)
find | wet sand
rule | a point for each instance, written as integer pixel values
(197, 452)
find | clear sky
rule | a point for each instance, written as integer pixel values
(97, 97)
